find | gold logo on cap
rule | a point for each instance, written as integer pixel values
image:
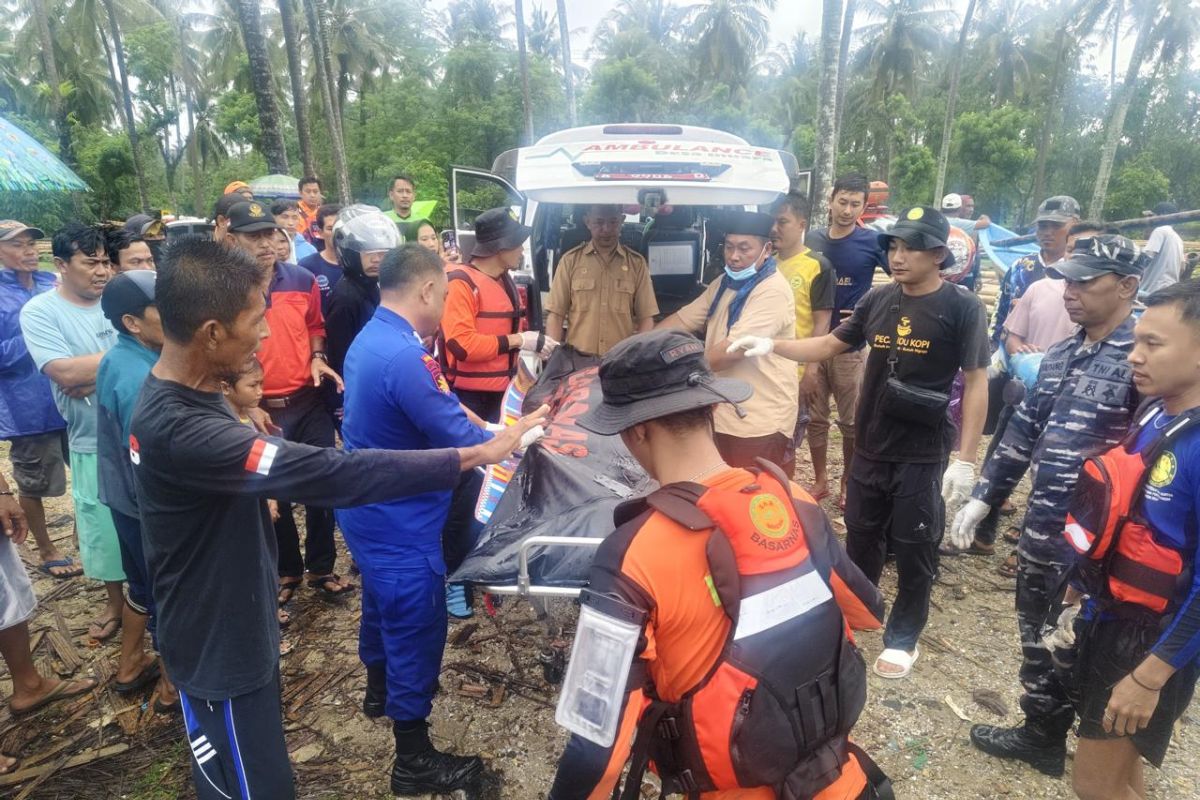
(256, 210)
(915, 213)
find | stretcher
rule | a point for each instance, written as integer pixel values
(544, 513)
(525, 586)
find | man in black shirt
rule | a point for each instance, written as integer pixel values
(202, 479)
(922, 331)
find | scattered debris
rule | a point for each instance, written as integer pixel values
(991, 700)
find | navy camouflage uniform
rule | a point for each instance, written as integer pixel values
(1082, 405)
(1024, 272)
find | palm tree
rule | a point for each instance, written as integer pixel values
(1147, 15)
(291, 40)
(1007, 54)
(271, 138)
(728, 34)
(564, 35)
(316, 36)
(956, 60)
(127, 102)
(40, 14)
(898, 47)
(844, 63)
(523, 61)
(542, 35)
(826, 144)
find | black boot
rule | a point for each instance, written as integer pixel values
(376, 695)
(420, 769)
(1035, 744)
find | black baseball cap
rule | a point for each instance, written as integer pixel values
(1094, 256)
(496, 230)
(128, 293)
(1164, 208)
(144, 225)
(921, 228)
(748, 223)
(250, 216)
(655, 374)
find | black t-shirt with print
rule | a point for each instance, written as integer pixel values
(939, 334)
(202, 480)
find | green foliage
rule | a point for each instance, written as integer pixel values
(913, 175)
(623, 91)
(237, 118)
(990, 149)
(1135, 188)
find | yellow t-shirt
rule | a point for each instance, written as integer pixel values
(811, 278)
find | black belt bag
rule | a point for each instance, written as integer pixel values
(904, 401)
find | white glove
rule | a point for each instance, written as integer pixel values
(537, 342)
(957, 483)
(529, 437)
(1062, 637)
(962, 531)
(753, 345)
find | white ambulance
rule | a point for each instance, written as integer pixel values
(673, 182)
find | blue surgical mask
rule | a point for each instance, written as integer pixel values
(739, 274)
(743, 274)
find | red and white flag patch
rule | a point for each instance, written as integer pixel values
(135, 454)
(262, 456)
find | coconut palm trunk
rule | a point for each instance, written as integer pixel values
(321, 62)
(42, 18)
(523, 64)
(951, 101)
(271, 136)
(826, 144)
(287, 17)
(564, 35)
(127, 105)
(843, 64)
(1120, 107)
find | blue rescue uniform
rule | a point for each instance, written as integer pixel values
(396, 398)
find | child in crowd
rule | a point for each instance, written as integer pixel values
(243, 395)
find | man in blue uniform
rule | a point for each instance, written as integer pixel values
(1081, 405)
(396, 396)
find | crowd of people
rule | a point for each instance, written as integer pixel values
(198, 390)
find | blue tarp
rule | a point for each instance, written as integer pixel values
(1002, 257)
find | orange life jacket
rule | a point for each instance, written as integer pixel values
(499, 315)
(777, 705)
(1120, 561)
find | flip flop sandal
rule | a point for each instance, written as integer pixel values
(115, 622)
(820, 496)
(898, 658)
(167, 708)
(145, 677)
(286, 646)
(1012, 534)
(47, 567)
(284, 615)
(1009, 568)
(1007, 508)
(322, 584)
(287, 590)
(62, 691)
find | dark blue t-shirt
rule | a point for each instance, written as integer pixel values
(327, 276)
(854, 259)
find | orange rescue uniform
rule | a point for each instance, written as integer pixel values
(664, 565)
(481, 312)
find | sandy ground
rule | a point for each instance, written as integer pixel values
(909, 726)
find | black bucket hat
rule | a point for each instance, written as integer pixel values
(496, 230)
(656, 374)
(921, 228)
(1094, 256)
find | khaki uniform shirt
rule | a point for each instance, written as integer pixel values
(601, 301)
(769, 311)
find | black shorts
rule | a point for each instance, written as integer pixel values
(39, 463)
(1110, 650)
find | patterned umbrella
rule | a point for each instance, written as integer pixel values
(26, 166)
(275, 187)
